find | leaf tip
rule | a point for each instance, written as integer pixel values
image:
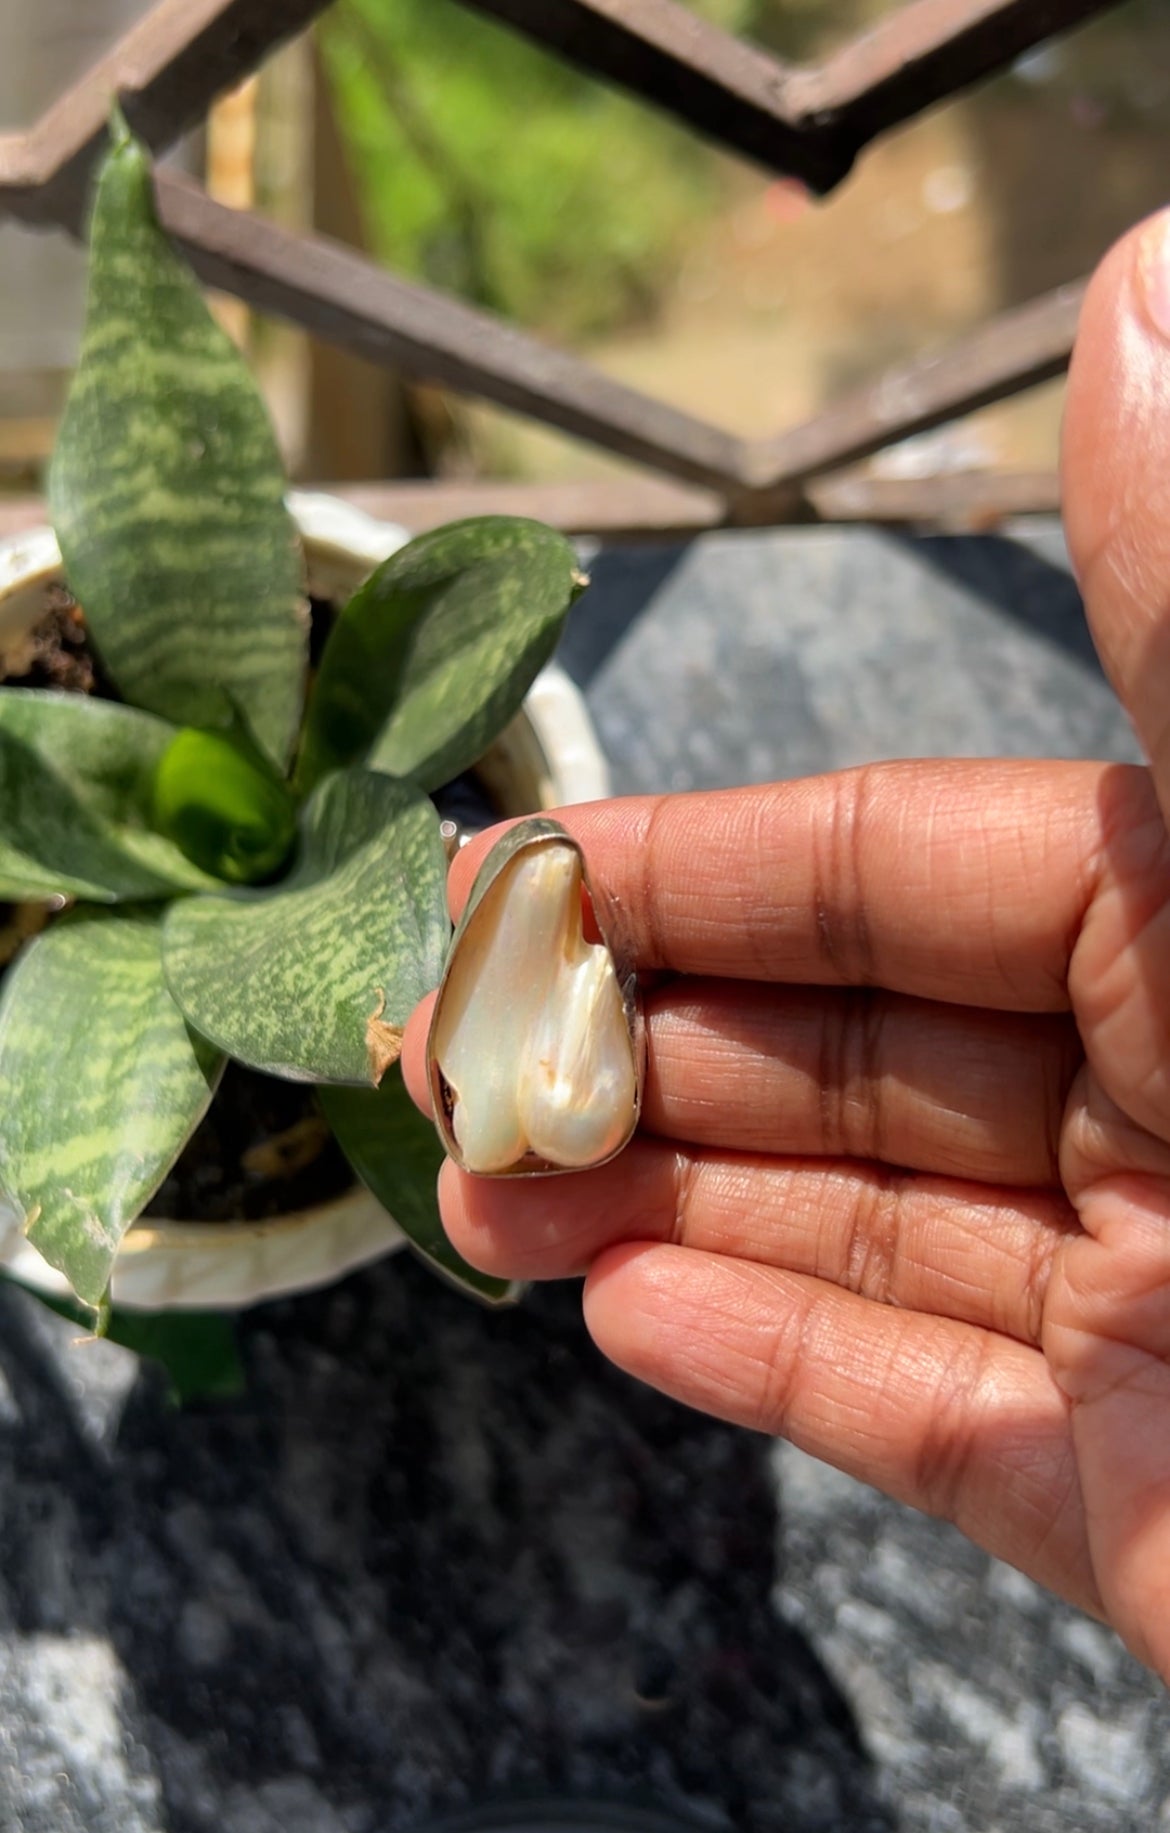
(118, 127)
(383, 1041)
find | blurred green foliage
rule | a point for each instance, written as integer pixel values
(493, 170)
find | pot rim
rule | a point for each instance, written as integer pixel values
(175, 1265)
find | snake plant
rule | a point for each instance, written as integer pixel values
(248, 865)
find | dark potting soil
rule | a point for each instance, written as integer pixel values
(263, 1148)
(19, 923)
(58, 654)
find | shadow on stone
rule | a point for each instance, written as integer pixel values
(435, 1557)
(1017, 578)
(623, 582)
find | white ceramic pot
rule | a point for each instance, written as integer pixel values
(548, 756)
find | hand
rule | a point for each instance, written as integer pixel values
(902, 1188)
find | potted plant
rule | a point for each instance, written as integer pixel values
(230, 841)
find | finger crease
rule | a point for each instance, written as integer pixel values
(867, 1021)
(654, 873)
(839, 908)
(1037, 1276)
(872, 1247)
(785, 1358)
(686, 1177)
(1058, 1084)
(947, 1448)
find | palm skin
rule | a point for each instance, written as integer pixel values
(902, 1188)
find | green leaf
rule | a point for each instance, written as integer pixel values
(166, 489)
(103, 1083)
(396, 1152)
(434, 654)
(76, 801)
(225, 810)
(196, 1349)
(290, 980)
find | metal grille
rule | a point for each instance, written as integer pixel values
(808, 121)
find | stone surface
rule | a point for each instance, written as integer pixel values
(740, 659)
(437, 1556)
(984, 1702)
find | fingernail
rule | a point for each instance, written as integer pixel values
(1153, 267)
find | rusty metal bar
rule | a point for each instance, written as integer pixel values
(350, 301)
(166, 70)
(923, 53)
(973, 501)
(1012, 352)
(346, 299)
(616, 508)
(613, 508)
(169, 67)
(646, 507)
(810, 121)
(668, 55)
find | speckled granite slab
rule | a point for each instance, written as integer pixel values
(437, 1557)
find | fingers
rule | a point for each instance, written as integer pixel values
(859, 1074)
(1107, 1337)
(924, 1244)
(413, 1059)
(1116, 464)
(1116, 477)
(956, 881)
(936, 1413)
(867, 1075)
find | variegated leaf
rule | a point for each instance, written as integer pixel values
(103, 1083)
(434, 654)
(166, 489)
(307, 979)
(77, 801)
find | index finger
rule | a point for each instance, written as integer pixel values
(953, 880)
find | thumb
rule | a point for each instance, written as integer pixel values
(1116, 477)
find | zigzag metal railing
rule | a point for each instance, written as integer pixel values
(809, 121)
